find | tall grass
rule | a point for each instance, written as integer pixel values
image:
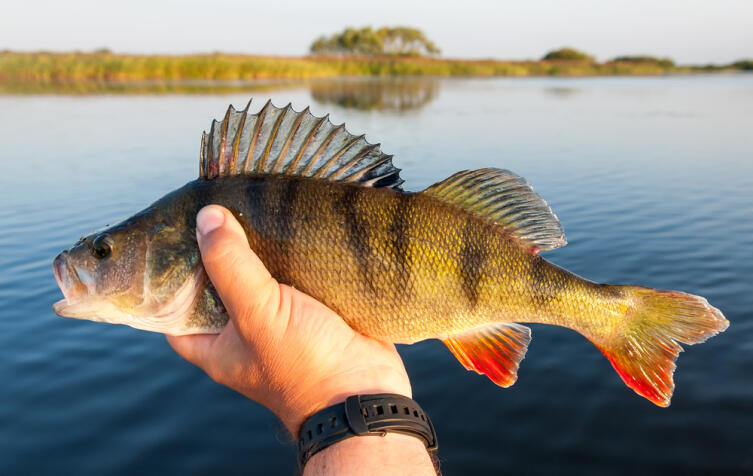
(105, 66)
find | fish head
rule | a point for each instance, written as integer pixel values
(144, 272)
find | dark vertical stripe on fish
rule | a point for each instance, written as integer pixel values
(288, 202)
(259, 216)
(473, 259)
(356, 234)
(399, 227)
(287, 206)
(255, 202)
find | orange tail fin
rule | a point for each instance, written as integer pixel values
(644, 353)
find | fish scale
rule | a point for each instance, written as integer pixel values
(325, 212)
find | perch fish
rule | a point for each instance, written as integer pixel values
(325, 212)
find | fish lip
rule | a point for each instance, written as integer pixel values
(62, 277)
(68, 281)
(60, 307)
(80, 309)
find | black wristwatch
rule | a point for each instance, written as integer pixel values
(364, 415)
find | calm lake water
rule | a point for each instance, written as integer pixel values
(652, 179)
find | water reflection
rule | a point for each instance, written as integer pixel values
(393, 94)
(81, 88)
(644, 197)
(561, 92)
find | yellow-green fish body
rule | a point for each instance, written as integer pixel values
(323, 209)
(402, 267)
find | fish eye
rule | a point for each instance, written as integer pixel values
(101, 246)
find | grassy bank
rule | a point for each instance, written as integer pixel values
(116, 67)
(21, 71)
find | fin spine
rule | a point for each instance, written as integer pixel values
(321, 148)
(364, 152)
(292, 166)
(288, 140)
(223, 139)
(356, 176)
(255, 137)
(202, 156)
(232, 168)
(211, 168)
(326, 166)
(281, 141)
(263, 160)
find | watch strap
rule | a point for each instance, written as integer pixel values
(364, 415)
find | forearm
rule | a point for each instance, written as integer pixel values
(393, 454)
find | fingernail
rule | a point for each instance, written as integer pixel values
(208, 220)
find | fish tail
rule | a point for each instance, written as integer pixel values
(645, 350)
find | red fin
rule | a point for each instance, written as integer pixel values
(495, 351)
(644, 353)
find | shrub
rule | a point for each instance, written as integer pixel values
(745, 65)
(567, 54)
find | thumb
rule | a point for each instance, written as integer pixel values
(249, 293)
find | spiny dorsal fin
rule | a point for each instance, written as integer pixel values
(495, 351)
(280, 141)
(505, 199)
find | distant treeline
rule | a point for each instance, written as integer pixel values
(104, 65)
(386, 41)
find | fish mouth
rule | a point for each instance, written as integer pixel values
(75, 283)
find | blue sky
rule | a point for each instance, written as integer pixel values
(689, 31)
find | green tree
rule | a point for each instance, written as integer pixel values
(406, 41)
(745, 65)
(567, 54)
(398, 41)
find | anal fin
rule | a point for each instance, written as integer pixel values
(495, 350)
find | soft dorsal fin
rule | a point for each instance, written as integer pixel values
(505, 199)
(495, 350)
(281, 141)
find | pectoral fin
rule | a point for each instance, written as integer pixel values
(495, 351)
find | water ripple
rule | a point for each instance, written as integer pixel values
(650, 177)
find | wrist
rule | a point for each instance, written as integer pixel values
(332, 393)
(393, 454)
(363, 416)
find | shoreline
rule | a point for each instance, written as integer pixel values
(224, 86)
(104, 72)
(106, 66)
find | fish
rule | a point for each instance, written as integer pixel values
(325, 212)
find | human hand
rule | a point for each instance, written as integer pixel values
(281, 348)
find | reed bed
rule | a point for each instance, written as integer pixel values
(61, 67)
